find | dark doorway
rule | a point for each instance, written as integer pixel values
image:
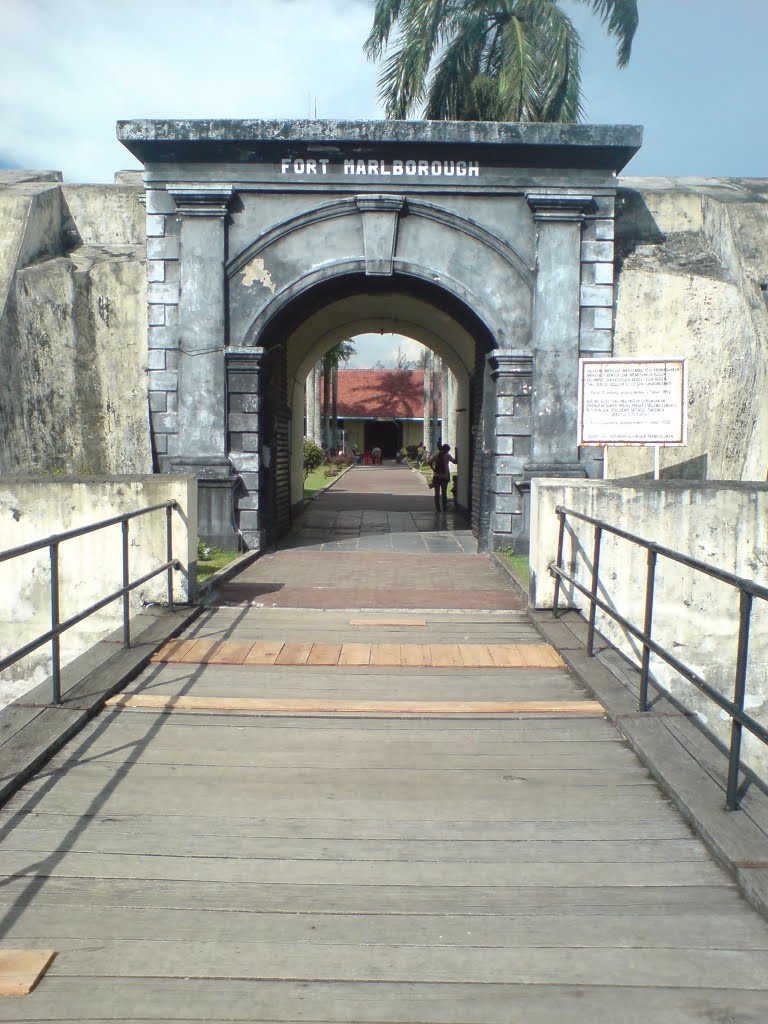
(385, 434)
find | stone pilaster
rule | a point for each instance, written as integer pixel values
(244, 439)
(201, 417)
(555, 336)
(511, 371)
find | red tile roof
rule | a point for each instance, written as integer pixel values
(381, 394)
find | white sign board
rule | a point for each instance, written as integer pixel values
(629, 402)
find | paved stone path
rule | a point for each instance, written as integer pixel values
(200, 865)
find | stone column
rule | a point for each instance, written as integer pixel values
(202, 441)
(245, 437)
(511, 372)
(555, 340)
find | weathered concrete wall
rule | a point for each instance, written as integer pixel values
(693, 258)
(725, 525)
(90, 566)
(106, 214)
(73, 353)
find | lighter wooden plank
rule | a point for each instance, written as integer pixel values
(293, 654)
(506, 655)
(355, 654)
(264, 652)
(385, 655)
(476, 656)
(388, 622)
(324, 654)
(415, 656)
(200, 652)
(173, 651)
(22, 969)
(445, 656)
(231, 652)
(257, 704)
(539, 656)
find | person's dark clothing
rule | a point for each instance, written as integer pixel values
(441, 464)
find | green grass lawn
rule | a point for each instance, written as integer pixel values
(518, 564)
(317, 482)
(219, 558)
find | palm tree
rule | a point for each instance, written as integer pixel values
(341, 352)
(487, 60)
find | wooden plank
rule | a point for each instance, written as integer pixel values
(539, 656)
(389, 622)
(22, 969)
(415, 656)
(385, 655)
(355, 654)
(476, 656)
(173, 651)
(264, 652)
(328, 705)
(445, 656)
(200, 652)
(324, 654)
(293, 654)
(231, 652)
(505, 655)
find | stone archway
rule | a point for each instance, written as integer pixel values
(394, 305)
(255, 227)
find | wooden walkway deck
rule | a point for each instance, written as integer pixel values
(216, 863)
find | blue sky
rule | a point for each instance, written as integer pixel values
(69, 69)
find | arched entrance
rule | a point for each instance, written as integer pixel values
(268, 241)
(335, 310)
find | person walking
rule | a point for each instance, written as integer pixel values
(441, 475)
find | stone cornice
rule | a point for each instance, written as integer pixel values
(506, 362)
(559, 206)
(202, 200)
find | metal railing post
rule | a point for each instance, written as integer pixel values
(650, 581)
(593, 592)
(169, 552)
(739, 690)
(55, 620)
(126, 592)
(560, 540)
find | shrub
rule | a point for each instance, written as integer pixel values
(313, 457)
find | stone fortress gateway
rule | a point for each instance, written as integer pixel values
(268, 242)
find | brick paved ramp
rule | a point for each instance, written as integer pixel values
(301, 579)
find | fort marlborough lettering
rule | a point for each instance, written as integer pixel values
(383, 168)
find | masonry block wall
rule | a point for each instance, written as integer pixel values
(163, 276)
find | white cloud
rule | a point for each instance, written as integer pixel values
(69, 71)
(382, 348)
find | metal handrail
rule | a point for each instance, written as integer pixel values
(748, 590)
(57, 626)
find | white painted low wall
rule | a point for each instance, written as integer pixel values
(90, 566)
(721, 523)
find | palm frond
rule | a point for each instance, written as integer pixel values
(621, 19)
(457, 67)
(560, 81)
(403, 81)
(518, 71)
(385, 15)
